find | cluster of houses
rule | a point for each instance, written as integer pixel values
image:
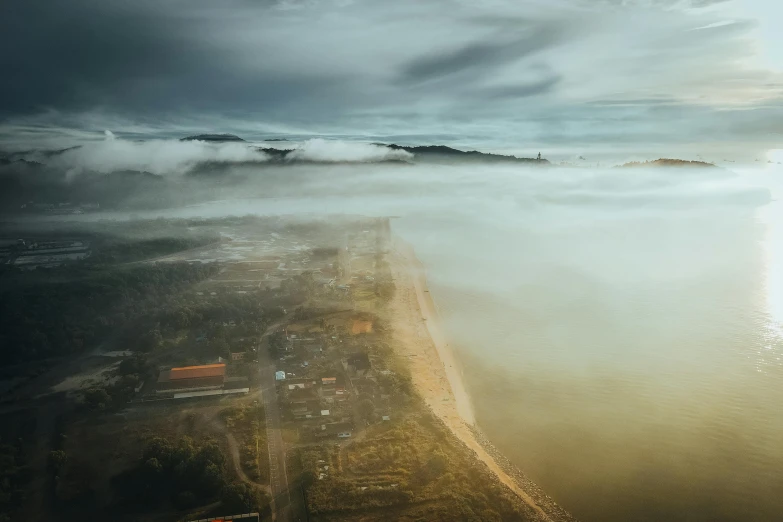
(321, 406)
(323, 376)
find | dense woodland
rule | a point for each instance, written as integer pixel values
(113, 302)
(187, 473)
(122, 250)
(64, 311)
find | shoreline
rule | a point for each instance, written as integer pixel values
(429, 313)
(437, 377)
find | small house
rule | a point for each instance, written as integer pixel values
(340, 430)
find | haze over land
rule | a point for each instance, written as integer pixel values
(593, 190)
(631, 311)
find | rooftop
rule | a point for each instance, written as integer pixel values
(247, 517)
(190, 372)
(336, 427)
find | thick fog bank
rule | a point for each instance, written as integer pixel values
(617, 327)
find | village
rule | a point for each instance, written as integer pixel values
(331, 379)
(263, 383)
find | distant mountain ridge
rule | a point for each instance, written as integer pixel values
(219, 138)
(429, 154)
(440, 153)
(668, 162)
(423, 153)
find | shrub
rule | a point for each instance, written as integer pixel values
(57, 460)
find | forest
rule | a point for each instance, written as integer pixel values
(64, 311)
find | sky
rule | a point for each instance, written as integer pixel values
(696, 77)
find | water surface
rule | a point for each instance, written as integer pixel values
(628, 357)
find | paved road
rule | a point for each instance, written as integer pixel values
(281, 493)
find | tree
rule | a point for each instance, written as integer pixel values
(188, 471)
(150, 340)
(240, 498)
(133, 365)
(209, 453)
(159, 449)
(366, 408)
(435, 467)
(152, 467)
(97, 398)
(57, 461)
(212, 477)
(220, 346)
(185, 499)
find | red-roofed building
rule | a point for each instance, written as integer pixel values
(192, 378)
(193, 372)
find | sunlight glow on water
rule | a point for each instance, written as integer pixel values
(773, 247)
(772, 217)
(624, 357)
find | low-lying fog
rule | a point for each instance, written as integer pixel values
(620, 329)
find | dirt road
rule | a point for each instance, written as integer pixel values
(278, 477)
(233, 448)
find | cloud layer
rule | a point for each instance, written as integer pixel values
(172, 157)
(155, 156)
(506, 73)
(329, 151)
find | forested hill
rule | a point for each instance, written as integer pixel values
(430, 154)
(213, 138)
(444, 154)
(667, 162)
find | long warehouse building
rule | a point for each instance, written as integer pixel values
(192, 378)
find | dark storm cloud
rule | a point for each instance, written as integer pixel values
(477, 56)
(523, 69)
(79, 54)
(137, 56)
(281, 60)
(471, 56)
(524, 90)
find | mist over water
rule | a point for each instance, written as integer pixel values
(619, 330)
(629, 356)
(631, 365)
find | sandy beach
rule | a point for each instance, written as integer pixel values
(437, 375)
